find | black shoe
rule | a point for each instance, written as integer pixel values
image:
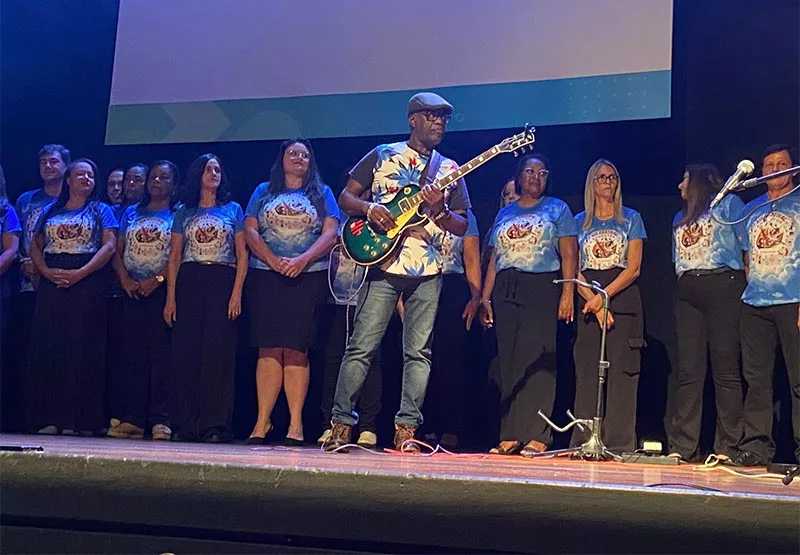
(253, 440)
(292, 442)
(748, 458)
(216, 435)
(183, 437)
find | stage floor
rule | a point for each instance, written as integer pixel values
(355, 501)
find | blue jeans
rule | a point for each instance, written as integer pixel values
(376, 303)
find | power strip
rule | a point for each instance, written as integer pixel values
(645, 458)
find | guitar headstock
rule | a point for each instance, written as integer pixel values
(518, 143)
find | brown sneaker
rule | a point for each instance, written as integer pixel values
(162, 432)
(403, 434)
(126, 430)
(340, 435)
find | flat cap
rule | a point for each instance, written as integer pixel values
(428, 101)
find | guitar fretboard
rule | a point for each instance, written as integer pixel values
(450, 178)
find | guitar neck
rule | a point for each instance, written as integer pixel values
(454, 176)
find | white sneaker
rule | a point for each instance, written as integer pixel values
(48, 430)
(161, 432)
(368, 440)
(324, 437)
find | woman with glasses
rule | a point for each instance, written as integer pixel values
(710, 267)
(140, 263)
(610, 240)
(73, 242)
(290, 228)
(206, 270)
(533, 243)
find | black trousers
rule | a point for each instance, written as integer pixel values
(66, 362)
(526, 318)
(624, 344)
(203, 351)
(144, 367)
(445, 399)
(762, 330)
(15, 400)
(333, 336)
(118, 335)
(707, 312)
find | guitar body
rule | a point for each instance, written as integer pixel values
(367, 245)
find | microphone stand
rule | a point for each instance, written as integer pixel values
(593, 448)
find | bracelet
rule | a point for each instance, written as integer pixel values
(371, 206)
(444, 213)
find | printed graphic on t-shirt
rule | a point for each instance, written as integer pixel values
(206, 236)
(31, 218)
(290, 217)
(694, 240)
(70, 233)
(147, 240)
(452, 252)
(604, 248)
(520, 239)
(771, 237)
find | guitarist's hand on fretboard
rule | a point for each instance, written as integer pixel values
(381, 217)
(434, 198)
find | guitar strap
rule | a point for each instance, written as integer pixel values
(431, 169)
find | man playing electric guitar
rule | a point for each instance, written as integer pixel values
(412, 272)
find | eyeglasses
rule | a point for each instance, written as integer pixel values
(137, 179)
(541, 174)
(303, 155)
(430, 115)
(606, 178)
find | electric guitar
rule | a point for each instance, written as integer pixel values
(368, 245)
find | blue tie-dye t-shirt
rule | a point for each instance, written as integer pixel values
(119, 210)
(706, 244)
(527, 238)
(147, 238)
(605, 244)
(453, 247)
(30, 206)
(76, 231)
(9, 223)
(772, 239)
(209, 234)
(289, 223)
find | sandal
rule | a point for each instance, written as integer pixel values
(532, 448)
(506, 448)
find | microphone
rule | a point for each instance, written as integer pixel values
(744, 169)
(754, 181)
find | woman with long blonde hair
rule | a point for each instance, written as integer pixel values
(610, 240)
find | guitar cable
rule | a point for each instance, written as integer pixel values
(352, 293)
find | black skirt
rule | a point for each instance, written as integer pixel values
(284, 311)
(67, 350)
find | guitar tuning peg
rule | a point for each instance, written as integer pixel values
(516, 154)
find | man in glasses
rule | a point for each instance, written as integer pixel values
(412, 273)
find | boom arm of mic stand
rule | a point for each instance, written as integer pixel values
(593, 286)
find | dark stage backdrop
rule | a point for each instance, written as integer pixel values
(735, 89)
